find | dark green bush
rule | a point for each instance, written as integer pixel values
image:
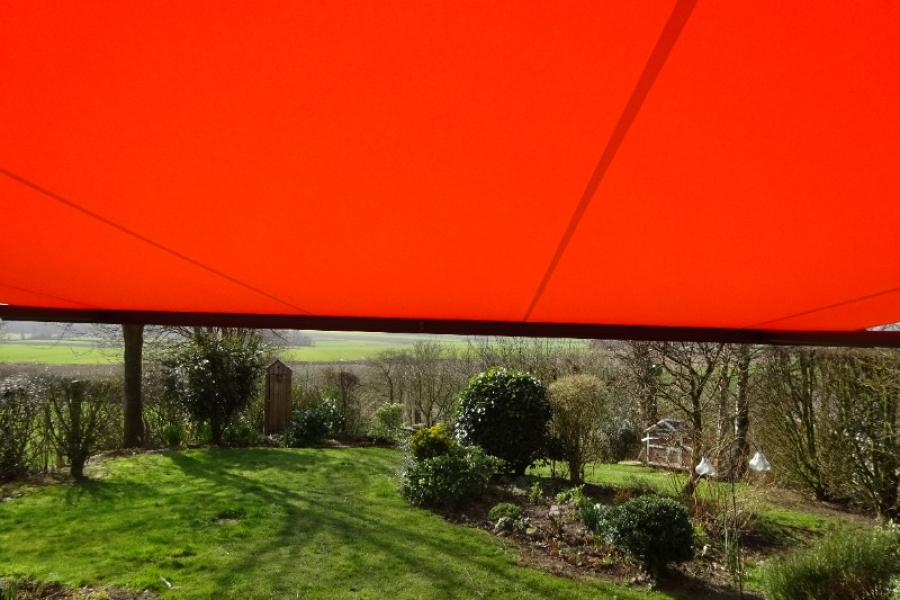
(506, 413)
(654, 530)
(313, 425)
(504, 509)
(848, 564)
(448, 480)
(215, 374)
(429, 442)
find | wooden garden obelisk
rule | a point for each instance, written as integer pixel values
(278, 397)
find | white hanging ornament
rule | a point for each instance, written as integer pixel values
(705, 468)
(759, 463)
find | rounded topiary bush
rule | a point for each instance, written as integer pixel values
(506, 413)
(653, 529)
(504, 509)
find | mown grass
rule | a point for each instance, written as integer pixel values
(264, 523)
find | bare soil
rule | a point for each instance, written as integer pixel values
(29, 590)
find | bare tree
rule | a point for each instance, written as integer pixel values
(390, 374)
(741, 444)
(689, 371)
(345, 384)
(643, 376)
(865, 386)
(433, 385)
(793, 414)
(80, 416)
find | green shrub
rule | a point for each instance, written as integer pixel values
(536, 493)
(595, 517)
(506, 413)
(580, 411)
(172, 435)
(654, 530)
(215, 374)
(847, 564)
(448, 480)
(240, 435)
(313, 425)
(575, 495)
(431, 441)
(387, 422)
(504, 509)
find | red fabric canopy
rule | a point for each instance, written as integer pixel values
(727, 165)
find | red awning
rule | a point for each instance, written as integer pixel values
(730, 165)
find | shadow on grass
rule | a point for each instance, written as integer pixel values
(103, 490)
(357, 531)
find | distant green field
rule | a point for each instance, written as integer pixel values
(58, 353)
(330, 347)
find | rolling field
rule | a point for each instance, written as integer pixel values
(64, 352)
(327, 347)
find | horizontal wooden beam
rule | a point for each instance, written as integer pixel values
(887, 339)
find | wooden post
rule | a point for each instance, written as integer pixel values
(278, 397)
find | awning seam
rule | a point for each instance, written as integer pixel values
(75, 206)
(827, 307)
(655, 62)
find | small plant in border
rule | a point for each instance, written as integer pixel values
(575, 495)
(504, 509)
(536, 493)
(432, 441)
(594, 517)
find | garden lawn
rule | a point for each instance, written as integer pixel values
(264, 523)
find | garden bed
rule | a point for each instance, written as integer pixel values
(32, 590)
(557, 541)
